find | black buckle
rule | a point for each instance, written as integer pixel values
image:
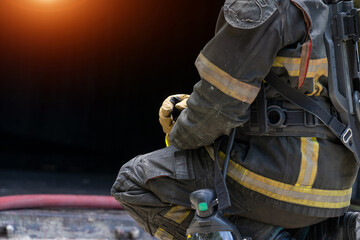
(310, 120)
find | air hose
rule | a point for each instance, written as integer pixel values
(58, 201)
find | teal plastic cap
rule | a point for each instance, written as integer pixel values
(203, 207)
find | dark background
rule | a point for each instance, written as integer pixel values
(81, 84)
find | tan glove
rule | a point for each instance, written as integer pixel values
(166, 119)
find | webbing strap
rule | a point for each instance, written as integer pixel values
(220, 178)
(262, 110)
(306, 103)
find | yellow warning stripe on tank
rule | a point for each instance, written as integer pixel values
(311, 197)
(309, 162)
(223, 81)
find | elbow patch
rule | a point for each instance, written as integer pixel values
(223, 81)
(247, 14)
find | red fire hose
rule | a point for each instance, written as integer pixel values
(58, 201)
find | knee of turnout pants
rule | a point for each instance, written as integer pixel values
(154, 189)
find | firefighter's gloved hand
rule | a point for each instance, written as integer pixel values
(166, 118)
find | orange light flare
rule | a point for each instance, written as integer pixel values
(46, 5)
(52, 30)
(47, 1)
(48, 29)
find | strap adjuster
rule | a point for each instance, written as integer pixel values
(310, 120)
(346, 135)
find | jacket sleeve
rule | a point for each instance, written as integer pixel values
(232, 66)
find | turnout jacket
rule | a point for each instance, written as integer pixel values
(301, 169)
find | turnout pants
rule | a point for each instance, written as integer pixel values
(154, 189)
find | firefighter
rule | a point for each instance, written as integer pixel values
(287, 171)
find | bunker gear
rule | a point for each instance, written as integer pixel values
(300, 174)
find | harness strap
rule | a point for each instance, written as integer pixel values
(307, 103)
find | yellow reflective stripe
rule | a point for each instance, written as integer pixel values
(315, 159)
(303, 162)
(292, 65)
(163, 235)
(225, 82)
(296, 200)
(316, 69)
(309, 162)
(282, 61)
(178, 214)
(286, 192)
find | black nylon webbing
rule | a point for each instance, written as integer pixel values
(306, 103)
(262, 110)
(219, 180)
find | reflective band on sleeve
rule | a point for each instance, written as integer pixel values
(163, 235)
(333, 199)
(178, 214)
(225, 82)
(309, 162)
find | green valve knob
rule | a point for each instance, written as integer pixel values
(203, 207)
